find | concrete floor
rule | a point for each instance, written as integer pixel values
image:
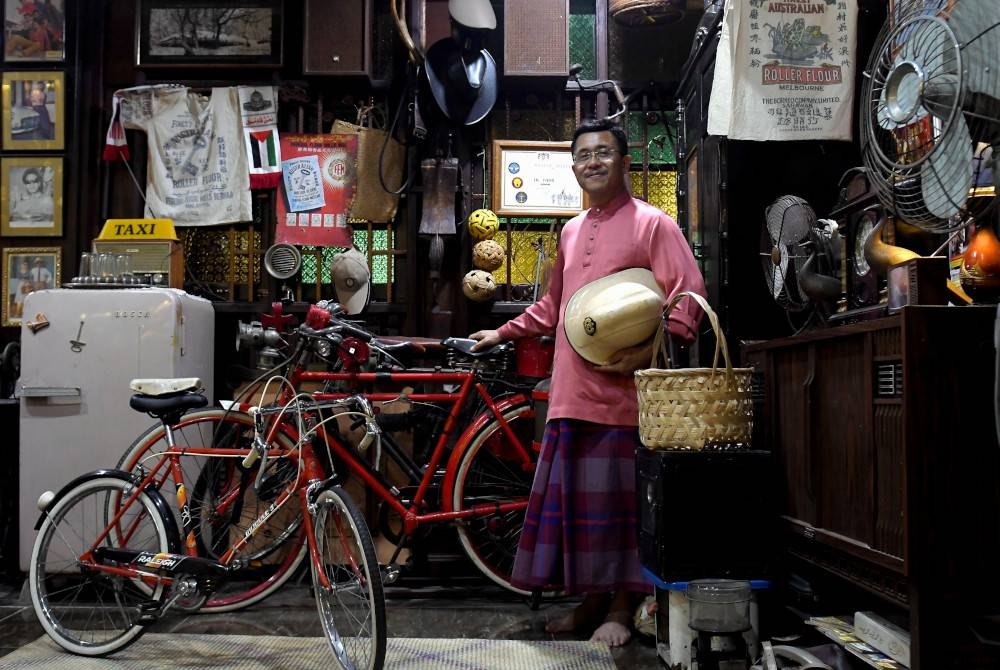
(472, 610)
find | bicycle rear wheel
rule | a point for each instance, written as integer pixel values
(224, 505)
(490, 471)
(352, 607)
(277, 549)
(86, 611)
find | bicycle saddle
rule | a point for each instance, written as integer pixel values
(464, 344)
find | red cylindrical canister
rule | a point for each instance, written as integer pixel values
(533, 356)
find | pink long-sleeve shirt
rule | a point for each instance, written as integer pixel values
(626, 233)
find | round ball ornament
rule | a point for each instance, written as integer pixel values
(478, 285)
(487, 255)
(483, 224)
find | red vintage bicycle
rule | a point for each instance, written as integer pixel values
(470, 416)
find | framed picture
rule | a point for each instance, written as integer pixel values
(535, 179)
(31, 196)
(209, 33)
(35, 31)
(27, 269)
(33, 110)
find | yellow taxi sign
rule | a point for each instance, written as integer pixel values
(138, 229)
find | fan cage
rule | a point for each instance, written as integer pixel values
(925, 131)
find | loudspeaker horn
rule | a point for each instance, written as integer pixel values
(282, 260)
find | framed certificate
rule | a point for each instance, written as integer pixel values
(535, 179)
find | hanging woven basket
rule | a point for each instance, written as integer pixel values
(646, 12)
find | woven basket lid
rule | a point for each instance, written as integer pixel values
(646, 12)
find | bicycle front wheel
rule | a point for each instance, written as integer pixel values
(491, 471)
(84, 610)
(347, 583)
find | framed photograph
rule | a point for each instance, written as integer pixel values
(33, 110)
(535, 179)
(209, 33)
(27, 269)
(31, 196)
(34, 31)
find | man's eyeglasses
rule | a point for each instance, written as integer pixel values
(30, 181)
(602, 154)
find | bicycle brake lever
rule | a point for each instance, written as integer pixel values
(258, 449)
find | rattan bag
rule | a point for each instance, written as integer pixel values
(694, 408)
(380, 160)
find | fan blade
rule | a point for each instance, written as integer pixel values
(946, 176)
(976, 24)
(941, 94)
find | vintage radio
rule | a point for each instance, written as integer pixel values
(157, 256)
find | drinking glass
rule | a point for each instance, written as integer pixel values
(86, 274)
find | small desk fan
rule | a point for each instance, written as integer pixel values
(800, 257)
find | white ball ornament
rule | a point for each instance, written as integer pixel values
(478, 285)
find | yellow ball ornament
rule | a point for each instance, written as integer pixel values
(487, 255)
(483, 224)
(478, 285)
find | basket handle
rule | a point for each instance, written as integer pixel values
(720, 338)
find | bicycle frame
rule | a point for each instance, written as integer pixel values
(310, 478)
(415, 514)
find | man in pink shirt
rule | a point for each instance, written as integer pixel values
(580, 527)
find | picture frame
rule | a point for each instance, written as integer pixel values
(31, 200)
(33, 117)
(27, 269)
(535, 179)
(226, 33)
(35, 31)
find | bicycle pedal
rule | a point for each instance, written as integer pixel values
(390, 573)
(149, 612)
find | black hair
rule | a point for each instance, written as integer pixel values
(599, 126)
(34, 171)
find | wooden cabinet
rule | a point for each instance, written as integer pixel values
(885, 437)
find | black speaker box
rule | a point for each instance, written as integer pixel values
(706, 514)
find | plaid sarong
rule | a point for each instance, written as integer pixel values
(580, 525)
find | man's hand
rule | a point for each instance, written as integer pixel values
(487, 338)
(627, 361)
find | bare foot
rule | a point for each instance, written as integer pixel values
(584, 615)
(615, 630)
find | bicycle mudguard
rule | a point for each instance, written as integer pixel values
(173, 534)
(478, 422)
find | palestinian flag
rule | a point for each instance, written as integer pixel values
(263, 156)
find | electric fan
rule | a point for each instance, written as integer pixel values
(800, 257)
(930, 107)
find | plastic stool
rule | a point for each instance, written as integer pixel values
(679, 634)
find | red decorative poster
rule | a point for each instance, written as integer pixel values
(324, 225)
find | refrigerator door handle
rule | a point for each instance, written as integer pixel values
(55, 395)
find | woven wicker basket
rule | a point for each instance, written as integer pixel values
(646, 12)
(694, 408)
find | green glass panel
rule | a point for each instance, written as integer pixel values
(379, 263)
(659, 138)
(582, 48)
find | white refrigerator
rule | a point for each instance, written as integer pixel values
(75, 373)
